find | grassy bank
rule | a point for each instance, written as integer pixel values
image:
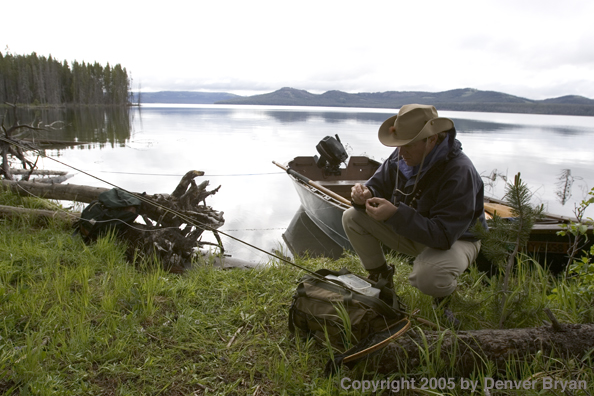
(79, 319)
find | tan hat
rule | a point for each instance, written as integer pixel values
(413, 123)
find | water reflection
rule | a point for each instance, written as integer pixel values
(330, 117)
(99, 126)
(148, 149)
(468, 126)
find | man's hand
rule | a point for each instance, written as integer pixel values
(360, 194)
(380, 209)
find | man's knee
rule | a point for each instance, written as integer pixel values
(432, 279)
(349, 221)
(347, 217)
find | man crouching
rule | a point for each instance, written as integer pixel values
(422, 201)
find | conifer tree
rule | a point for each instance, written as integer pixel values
(33, 79)
(506, 238)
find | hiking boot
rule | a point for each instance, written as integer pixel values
(447, 314)
(451, 319)
(385, 272)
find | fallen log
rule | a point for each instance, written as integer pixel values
(11, 211)
(42, 172)
(54, 142)
(466, 351)
(52, 180)
(63, 192)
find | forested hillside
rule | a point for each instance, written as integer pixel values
(37, 80)
(467, 99)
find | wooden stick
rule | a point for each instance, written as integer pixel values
(234, 335)
(555, 323)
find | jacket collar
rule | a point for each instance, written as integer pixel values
(439, 153)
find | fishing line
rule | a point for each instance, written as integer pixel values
(180, 215)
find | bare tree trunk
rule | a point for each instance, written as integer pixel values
(466, 350)
(10, 211)
(65, 192)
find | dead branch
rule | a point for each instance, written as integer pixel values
(12, 147)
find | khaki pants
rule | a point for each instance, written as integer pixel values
(435, 271)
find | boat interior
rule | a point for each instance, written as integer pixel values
(340, 181)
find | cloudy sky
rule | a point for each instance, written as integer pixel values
(532, 48)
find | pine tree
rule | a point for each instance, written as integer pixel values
(506, 238)
(37, 79)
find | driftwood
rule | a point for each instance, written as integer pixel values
(10, 211)
(174, 223)
(42, 172)
(53, 142)
(47, 176)
(13, 148)
(465, 350)
(63, 192)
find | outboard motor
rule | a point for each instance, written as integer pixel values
(332, 154)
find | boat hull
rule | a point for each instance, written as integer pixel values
(304, 237)
(325, 213)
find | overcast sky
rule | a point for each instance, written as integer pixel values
(531, 48)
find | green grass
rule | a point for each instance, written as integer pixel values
(78, 319)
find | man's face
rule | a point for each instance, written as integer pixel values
(413, 153)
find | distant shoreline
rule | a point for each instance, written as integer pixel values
(467, 99)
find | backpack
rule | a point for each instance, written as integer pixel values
(111, 211)
(319, 305)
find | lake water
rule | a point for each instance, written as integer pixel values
(150, 148)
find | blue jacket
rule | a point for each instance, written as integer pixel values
(447, 201)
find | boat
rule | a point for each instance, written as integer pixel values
(324, 190)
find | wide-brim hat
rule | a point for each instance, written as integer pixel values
(412, 123)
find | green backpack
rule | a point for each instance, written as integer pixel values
(320, 308)
(113, 210)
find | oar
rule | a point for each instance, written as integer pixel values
(313, 184)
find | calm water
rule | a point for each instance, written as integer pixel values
(152, 147)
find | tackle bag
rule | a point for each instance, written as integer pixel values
(113, 210)
(321, 303)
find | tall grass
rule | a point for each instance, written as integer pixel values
(78, 319)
